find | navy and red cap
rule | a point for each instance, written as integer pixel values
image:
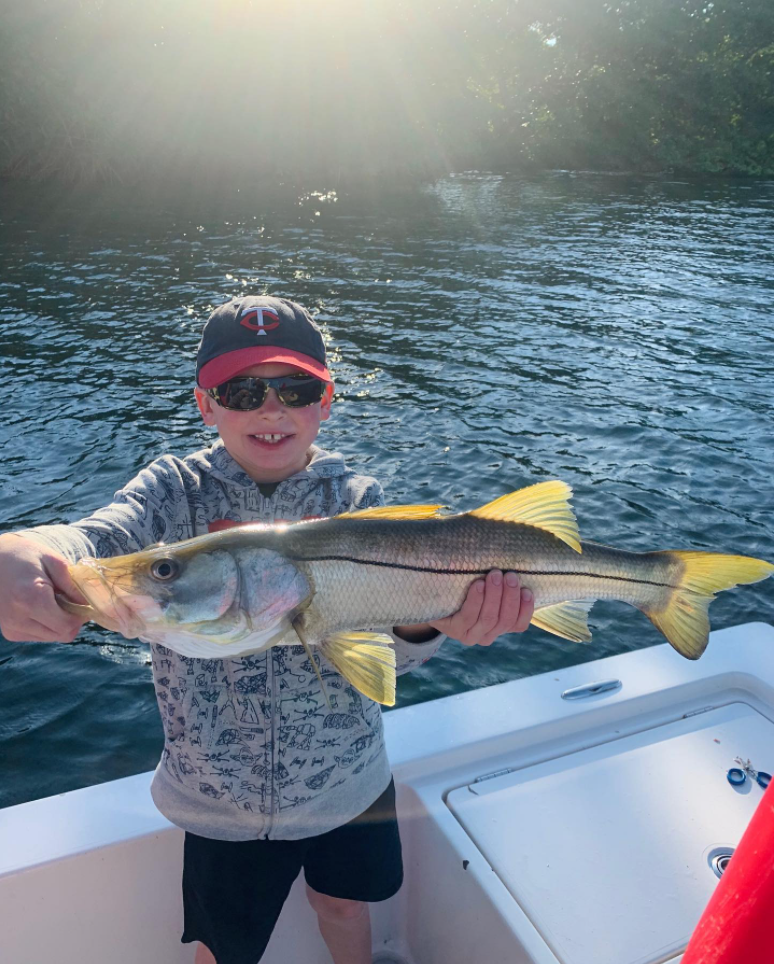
(253, 331)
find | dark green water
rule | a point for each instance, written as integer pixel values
(486, 333)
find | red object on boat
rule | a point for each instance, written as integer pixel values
(736, 926)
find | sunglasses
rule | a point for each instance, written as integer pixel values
(246, 394)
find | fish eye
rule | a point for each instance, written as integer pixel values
(165, 569)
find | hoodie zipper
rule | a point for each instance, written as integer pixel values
(271, 517)
(272, 738)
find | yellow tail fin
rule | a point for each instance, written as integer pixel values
(684, 621)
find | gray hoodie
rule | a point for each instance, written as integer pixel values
(251, 749)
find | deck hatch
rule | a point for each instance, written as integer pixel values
(609, 850)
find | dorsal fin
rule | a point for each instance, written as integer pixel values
(397, 512)
(544, 506)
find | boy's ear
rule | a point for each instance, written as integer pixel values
(327, 401)
(204, 402)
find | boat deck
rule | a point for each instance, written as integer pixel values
(568, 831)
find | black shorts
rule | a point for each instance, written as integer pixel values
(233, 892)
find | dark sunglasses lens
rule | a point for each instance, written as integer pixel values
(301, 392)
(242, 394)
(246, 394)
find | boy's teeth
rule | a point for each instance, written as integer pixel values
(270, 438)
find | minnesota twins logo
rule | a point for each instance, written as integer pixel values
(255, 319)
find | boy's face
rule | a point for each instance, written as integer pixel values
(243, 433)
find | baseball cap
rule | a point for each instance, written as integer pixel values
(254, 330)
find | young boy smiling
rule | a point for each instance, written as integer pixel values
(262, 775)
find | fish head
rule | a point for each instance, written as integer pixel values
(194, 588)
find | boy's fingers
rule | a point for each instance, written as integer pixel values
(29, 577)
(470, 614)
(516, 608)
(34, 631)
(57, 571)
(526, 611)
(40, 608)
(492, 607)
(486, 629)
(65, 625)
(45, 634)
(62, 626)
(510, 607)
(460, 622)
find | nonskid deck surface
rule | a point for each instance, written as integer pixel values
(488, 782)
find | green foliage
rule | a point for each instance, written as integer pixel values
(225, 89)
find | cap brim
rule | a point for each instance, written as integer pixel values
(232, 363)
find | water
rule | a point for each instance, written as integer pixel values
(486, 333)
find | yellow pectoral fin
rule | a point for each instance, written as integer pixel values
(366, 661)
(545, 506)
(567, 619)
(397, 512)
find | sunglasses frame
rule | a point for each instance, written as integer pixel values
(276, 383)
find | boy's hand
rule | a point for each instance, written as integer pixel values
(492, 607)
(29, 576)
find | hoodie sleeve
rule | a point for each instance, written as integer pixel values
(407, 655)
(152, 507)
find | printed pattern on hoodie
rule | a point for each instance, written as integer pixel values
(251, 748)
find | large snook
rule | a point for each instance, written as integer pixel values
(333, 582)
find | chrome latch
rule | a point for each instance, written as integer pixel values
(592, 689)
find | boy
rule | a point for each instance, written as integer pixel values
(264, 778)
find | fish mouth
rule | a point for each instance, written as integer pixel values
(117, 602)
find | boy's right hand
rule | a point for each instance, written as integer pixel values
(29, 576)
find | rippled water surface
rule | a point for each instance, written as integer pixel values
(486, 333)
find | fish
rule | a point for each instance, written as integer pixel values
(337, 583)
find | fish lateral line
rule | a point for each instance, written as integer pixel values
(482, 572)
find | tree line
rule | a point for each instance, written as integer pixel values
(232, 89)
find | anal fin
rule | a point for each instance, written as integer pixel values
(566, 619)
(366, 660)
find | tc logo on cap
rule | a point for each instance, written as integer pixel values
(253, 318)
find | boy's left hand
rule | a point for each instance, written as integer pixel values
(492, 607)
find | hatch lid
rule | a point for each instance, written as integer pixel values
(609, 850)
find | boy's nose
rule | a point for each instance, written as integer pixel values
(271, 404)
